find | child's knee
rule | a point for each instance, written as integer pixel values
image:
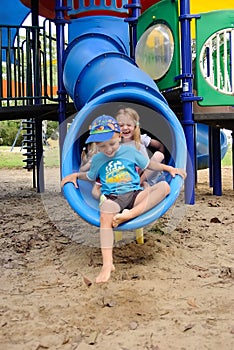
(109, 207)
(158, 156)
(167, 188)
(106, 219)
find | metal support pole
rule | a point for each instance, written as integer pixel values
(187, 98)
(60, 42)
(210, 156)
(233, 160)
(216, 162)
(37, 92)
(136, 11)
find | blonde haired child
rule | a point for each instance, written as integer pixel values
(129, 122)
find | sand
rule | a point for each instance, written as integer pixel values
(174, 292)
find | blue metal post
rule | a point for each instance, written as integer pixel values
(233, 160)
(60, 23)
(136, 11)
(187, 98)
(216, 162)
(210, 157)
(37, 92)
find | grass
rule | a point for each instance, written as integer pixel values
(15, 158)
(227, 160)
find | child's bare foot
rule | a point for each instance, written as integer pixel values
(105, 273)
(122, 217)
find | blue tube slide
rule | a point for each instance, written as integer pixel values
(202, 145)
(100, 77)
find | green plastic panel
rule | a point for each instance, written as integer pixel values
(214, 44)
(165, 12)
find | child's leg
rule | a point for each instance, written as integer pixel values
(107, 211)
(147, 174)
(96, 191)
(145, 200)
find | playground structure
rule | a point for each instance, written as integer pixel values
(98, 72)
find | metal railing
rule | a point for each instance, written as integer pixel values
(28, 64)
(79, 7)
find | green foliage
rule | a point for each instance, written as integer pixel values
(8, 132)
(52, 128)
(10, 128)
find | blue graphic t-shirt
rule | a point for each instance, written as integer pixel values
(118, 175)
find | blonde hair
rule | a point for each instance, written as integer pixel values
(133, 115)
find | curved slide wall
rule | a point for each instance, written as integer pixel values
(202, 145)
(100, 77)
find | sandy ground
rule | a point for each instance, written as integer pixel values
(174, 292)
